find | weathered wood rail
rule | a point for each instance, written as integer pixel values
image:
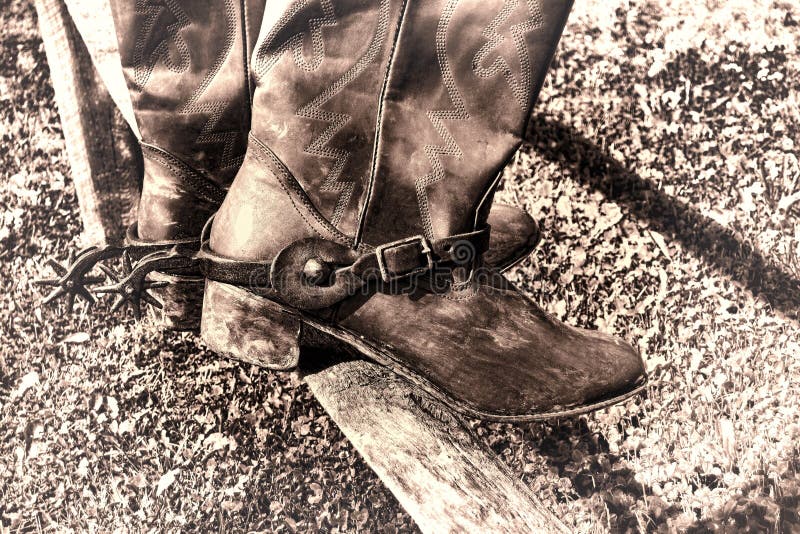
(441, 473)
(101, 147)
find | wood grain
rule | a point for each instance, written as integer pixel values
(101, 148)
(441, 473)
(95, 23)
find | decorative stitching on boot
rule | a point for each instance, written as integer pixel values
(437, 118)
(248, 83)
(379, 124)
(462, 291)
(296, 193)
(295, 43)
(203, 187)
(143, 67)
(520, 89)
(313, 110)
(215, 109)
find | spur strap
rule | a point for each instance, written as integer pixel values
(316, 273)
(138, 248)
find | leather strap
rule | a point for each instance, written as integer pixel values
(391, 261)
(138, 248)
(406, 257)
(230, 271)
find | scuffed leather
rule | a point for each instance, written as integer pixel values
(514, 236)
(447, 131)
(496, 351)
(185, 65)
(319, 66)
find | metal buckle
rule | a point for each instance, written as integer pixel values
(418, 239)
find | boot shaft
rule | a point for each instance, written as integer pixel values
(358, 217)
(185, 63)
(395, 117)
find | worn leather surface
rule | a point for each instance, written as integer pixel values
(377, 121)
(185, 64)
(328, 73)
(465, 111)
(495, 350)
(514, 236)
(319, 66)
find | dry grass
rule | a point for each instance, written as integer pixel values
(663, 165)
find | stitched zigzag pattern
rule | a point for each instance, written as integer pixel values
(143, 67)
(520, 88)
(437, 118)
(209, 135)
(313, 110)
(265, 60)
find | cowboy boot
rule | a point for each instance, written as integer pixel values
(185, 64)
(359, 215)
(191, 103)
(193, 110)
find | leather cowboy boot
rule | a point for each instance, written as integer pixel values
(186, 68)
(359, 216)
(185, 63)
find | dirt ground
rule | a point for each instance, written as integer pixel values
(662, 163)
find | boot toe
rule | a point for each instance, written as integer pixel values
(496, 355)
(614, 368)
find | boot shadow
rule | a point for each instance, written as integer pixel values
(584, 457)
(592, 166)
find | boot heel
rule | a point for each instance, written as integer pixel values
(182, 298)
(238, 324)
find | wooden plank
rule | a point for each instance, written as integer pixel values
(100, 145)
(438, 469)
(443, 474)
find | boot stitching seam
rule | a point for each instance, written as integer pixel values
(246, 60)
(215, 109)
(198, 184)
(268, 158)
(294, 45)
(143, 68)
(319, 146)
(379, 126)
(310, 226)
(458, 111)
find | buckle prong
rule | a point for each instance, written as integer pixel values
(426, 249)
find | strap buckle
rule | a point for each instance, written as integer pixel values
(425, 249)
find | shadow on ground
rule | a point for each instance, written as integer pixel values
(704, 237)
(584, 456)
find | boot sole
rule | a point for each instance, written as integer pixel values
(238, 324)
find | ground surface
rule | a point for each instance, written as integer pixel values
(663, 165)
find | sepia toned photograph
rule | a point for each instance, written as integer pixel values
(466, 266)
